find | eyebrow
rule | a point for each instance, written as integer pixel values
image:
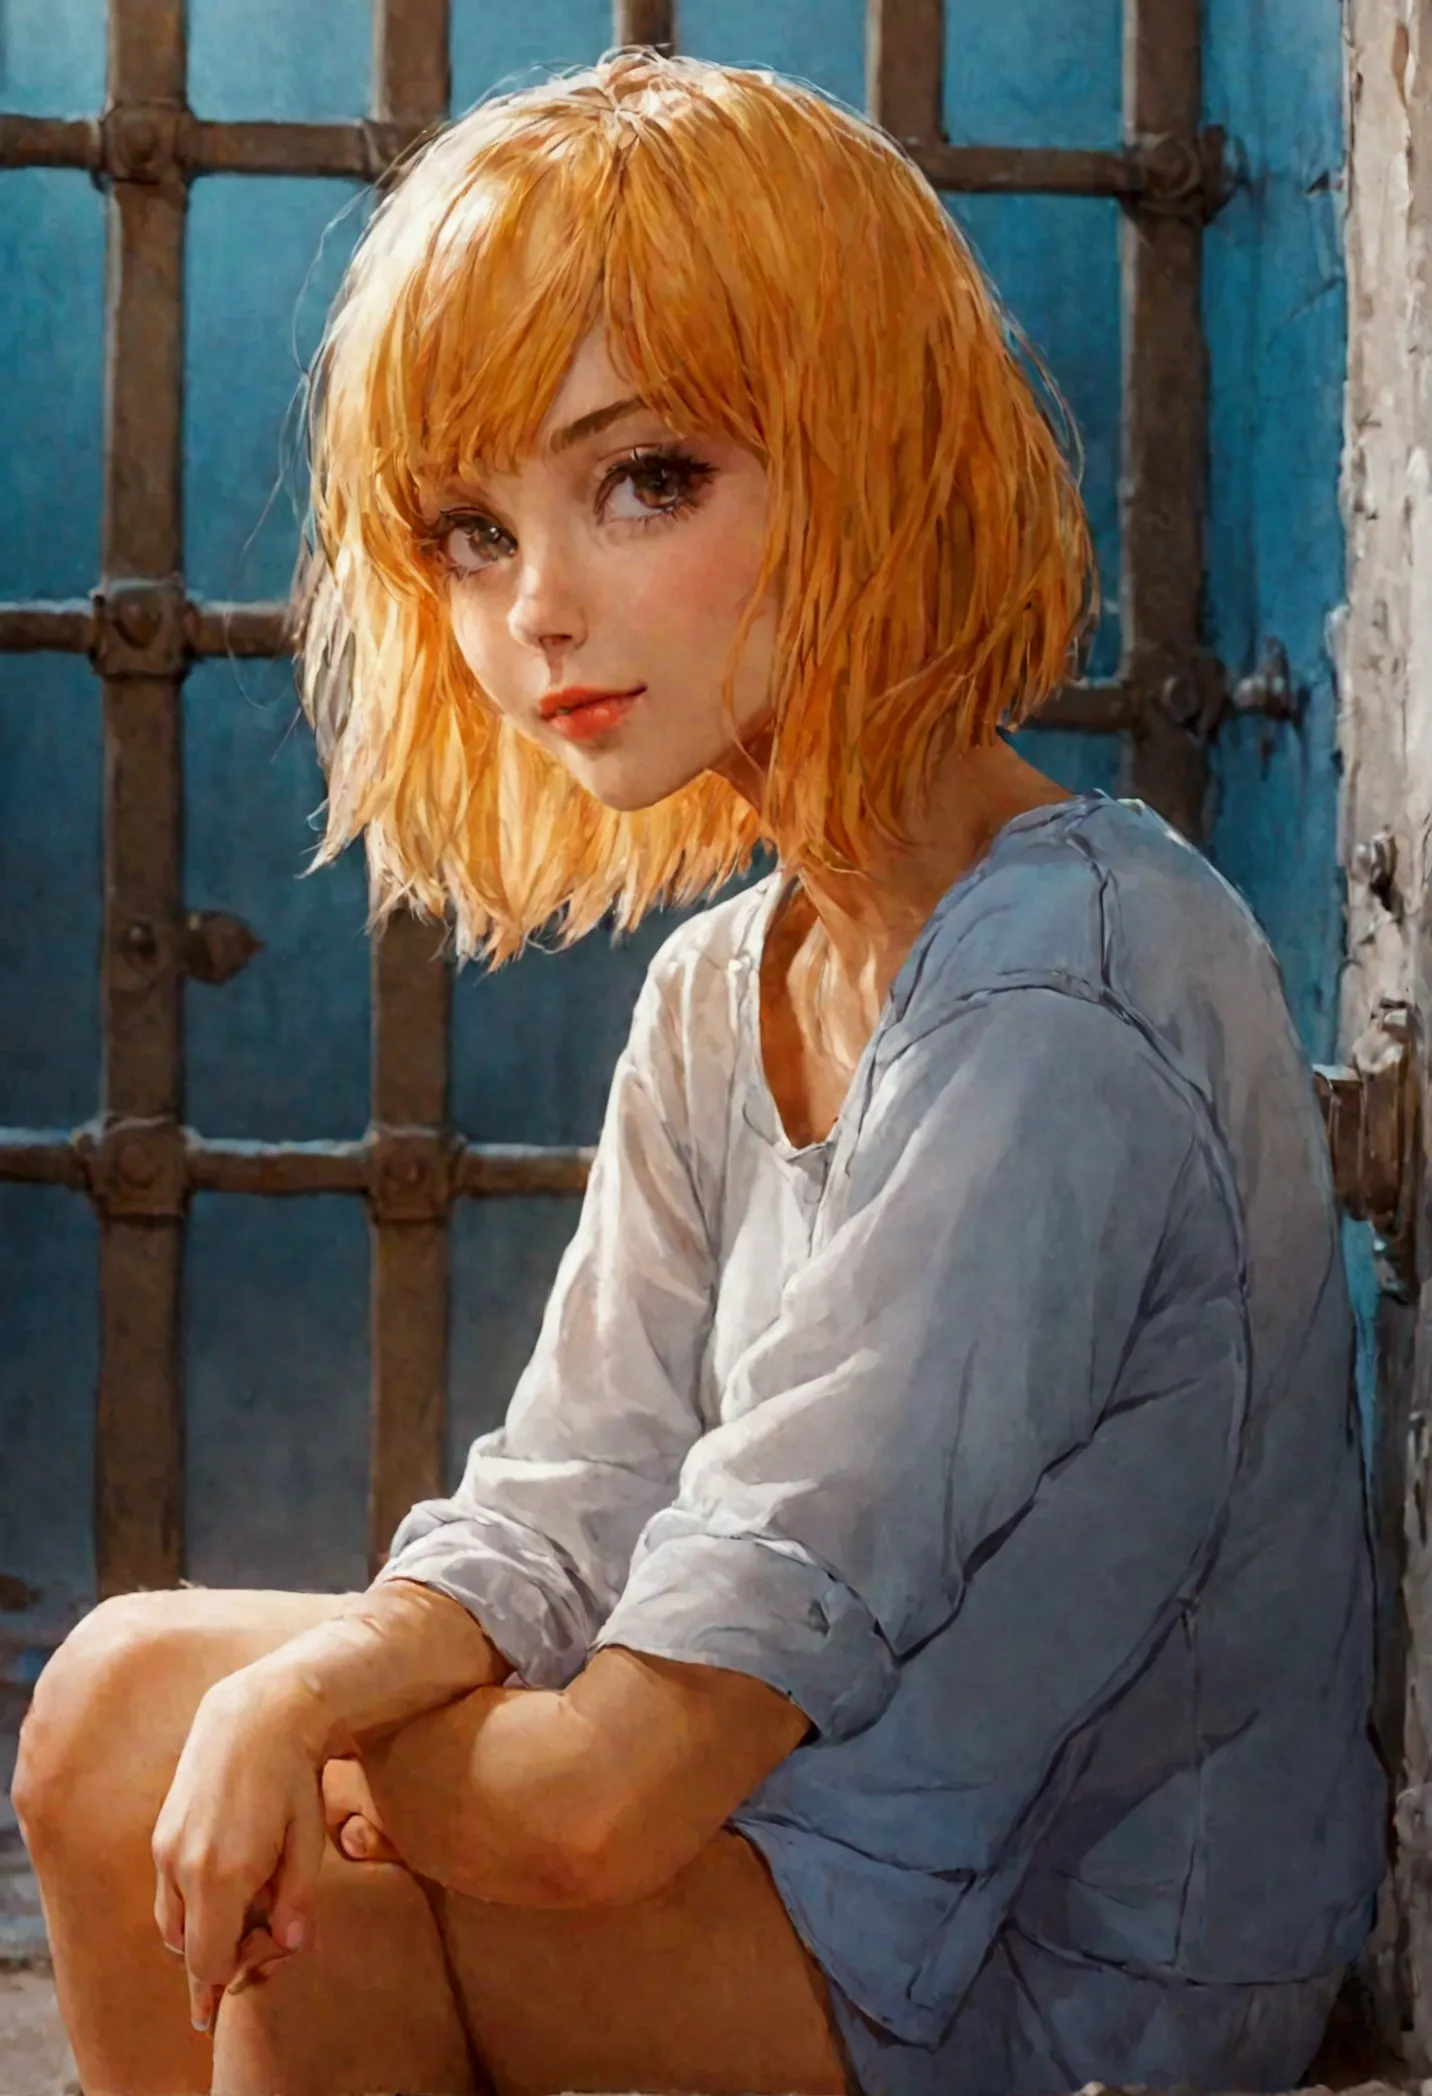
(564, 439)
(599, 419)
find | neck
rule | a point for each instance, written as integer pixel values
(865, 923)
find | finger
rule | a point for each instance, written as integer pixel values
(344, 1791)
(169, 1914)
(361, 1841)
(214, 1925)
(258, 1954)
(295, 1898)
(203, 2000)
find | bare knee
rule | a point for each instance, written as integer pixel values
(99, 1732)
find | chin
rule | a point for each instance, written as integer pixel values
(628, 797)
(629, 794)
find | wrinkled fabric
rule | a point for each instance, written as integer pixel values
(1010, 1433)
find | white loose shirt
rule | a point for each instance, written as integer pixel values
(1008, 1431)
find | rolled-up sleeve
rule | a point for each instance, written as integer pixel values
(1017, 1206)
(537, 1538)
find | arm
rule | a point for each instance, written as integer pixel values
(536, 1541)
(515, 1571)
(1004, 1395)
(1002, 1407)
(598, 1793)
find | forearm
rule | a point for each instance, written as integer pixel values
(494, 1797)
(396, 1652)
(597, 1793)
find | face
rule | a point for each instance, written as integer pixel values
(615, 561)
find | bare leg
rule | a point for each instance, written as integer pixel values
(701, 1987)
(105, 1729)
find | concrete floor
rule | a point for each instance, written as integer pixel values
(35, 2058)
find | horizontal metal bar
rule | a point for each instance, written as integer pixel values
(49, 141)
(42, 629)
(53, 1157)
(1099, 708)
(42, 1157)
(1023, 170)
(248, 630)
(72, 628)
(1167, 171)
(218, 1167)
(175, 138)
(262, 630)
(518, 1168)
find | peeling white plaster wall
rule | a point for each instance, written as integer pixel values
(1383, 638)
(1383, 648)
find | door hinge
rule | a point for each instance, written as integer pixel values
(1372, 1114)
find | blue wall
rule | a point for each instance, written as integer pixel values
(276, 1343)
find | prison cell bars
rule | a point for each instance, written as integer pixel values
(137, 1161)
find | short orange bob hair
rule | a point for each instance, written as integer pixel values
(769, 267)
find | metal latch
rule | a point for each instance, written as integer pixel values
(1371, 1111)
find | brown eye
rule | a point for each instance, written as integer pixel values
(471, 544)
(659, 483)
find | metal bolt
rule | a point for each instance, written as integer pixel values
(1270, 688)
(137, 1166)
(141, 939)
(137, 620)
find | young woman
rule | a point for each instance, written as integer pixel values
(912, 1632)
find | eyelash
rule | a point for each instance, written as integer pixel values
(689, 472)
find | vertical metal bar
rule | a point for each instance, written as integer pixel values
(1165, 408)
(412, 66)
(411, 996)
(139, 1439)
(650, 22)
(905, 68)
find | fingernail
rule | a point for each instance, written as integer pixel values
(293, 1932)
(201, 2020)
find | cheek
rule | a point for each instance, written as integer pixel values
(470, 629)
(697, 584)
(486, 646)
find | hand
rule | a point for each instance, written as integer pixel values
(239, 1841)
(352, 1818)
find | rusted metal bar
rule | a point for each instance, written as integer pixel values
(363, 151)
(205, 629)
(42, 1157)
(649, 22)
(49, 141)
(493, 1170)
(139, 1443)
(1088, 709)
(165, 137)
(247, 630)
(37, 629)
(1181, 173)
(410, 1137)
(905, 71)
(68, 1157)
(1094, 707)
(1161, 485)
(1184, 176)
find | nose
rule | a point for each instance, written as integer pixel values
(546, 610)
